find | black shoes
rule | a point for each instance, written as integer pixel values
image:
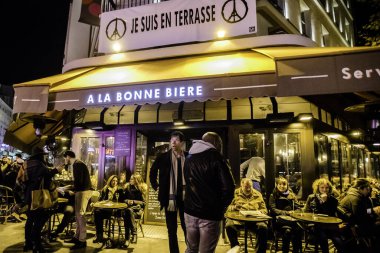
(72, 240)
(79, 245)
(98, 239)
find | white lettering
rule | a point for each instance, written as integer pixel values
(127, 95)
(157, 93)
(358, 74)
(368, 72)
(137, 94)
(199, 91)
(118, 96)
(100, 99)
(107, 98)
(190, 91)
(378, 71)
(90, 99)
(168, 93)
(148, 94)
(346, 73)
(181, 91)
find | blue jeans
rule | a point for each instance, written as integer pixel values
(202, 235)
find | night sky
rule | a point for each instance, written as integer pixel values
(32, 39)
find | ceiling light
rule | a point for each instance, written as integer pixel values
(305, 117)
(178, 122)
(221, 34)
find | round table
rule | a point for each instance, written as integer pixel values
(237, 216)
(315, 218)
(113, 207)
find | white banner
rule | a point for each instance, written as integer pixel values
(176, 22)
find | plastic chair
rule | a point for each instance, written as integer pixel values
(7, 202)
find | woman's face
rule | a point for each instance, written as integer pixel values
(282, 186)
(132, 180)
(323, 188)
(114, 182)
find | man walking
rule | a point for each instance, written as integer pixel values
(81, 187)
(209, 191)
(170, 186)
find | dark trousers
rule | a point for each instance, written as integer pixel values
(129, 222)
(293, 234)
(261, 229)
(33, 227)
(68, 215)
(99, 216)
(172, 225)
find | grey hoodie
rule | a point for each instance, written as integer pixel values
(199, 146)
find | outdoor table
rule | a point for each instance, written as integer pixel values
(113, 207)
(62, 200)
(237, 216)
(321, 220)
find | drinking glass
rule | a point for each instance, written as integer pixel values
(117, 197)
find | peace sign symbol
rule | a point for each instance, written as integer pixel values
(234, 11)
(112, 30)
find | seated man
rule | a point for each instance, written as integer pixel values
(358, 210)
(247, 198)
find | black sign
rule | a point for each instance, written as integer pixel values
(153, 214)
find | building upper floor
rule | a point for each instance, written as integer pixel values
(325, 22)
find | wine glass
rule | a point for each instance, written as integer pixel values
(110, 195)
(313, 207)
(117, 197)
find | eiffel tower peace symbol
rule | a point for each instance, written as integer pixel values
(234, 11)
(116, 29)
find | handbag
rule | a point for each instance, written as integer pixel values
(41, 198)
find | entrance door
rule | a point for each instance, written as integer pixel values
(89, 154)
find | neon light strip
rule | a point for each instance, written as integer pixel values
(247, 87)
(30, 100)
(65, 101)
(307, 77)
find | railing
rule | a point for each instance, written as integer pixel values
(111, 5)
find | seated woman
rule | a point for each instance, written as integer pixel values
(134, 193)
(111, 192)
(247, 198)
(322, 201)
(281, 203)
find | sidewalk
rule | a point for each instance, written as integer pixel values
(155, 241)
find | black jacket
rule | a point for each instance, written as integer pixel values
(354, 207)
(209, 185)
(36, 171)
(82, 180)
(281, 204)
(162, 166)
(328, 207)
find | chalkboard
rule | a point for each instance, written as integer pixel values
(153, 214)
(122, 142)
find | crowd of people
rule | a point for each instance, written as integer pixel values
(198, 187)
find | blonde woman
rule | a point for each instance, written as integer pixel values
(281, 203)
(135, 192)
(322, 201)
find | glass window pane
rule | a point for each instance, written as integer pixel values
(335, 169)
(141, 154)
(287, 159)
(89, 154)
(346, 171)
(321, 144)
(109, 160)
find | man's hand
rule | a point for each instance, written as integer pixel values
(71, 193)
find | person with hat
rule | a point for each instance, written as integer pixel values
(37, 170)
(82, 191)
(358, 210)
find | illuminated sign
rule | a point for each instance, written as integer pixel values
(359, 74)
(175, 22)
(144, 95)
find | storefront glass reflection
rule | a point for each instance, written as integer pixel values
(321, 144)
(287, 159)
(110, 160)
(89, 154)
(141, 154)
(335, 169)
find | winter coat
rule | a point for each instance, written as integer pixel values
(281, 204)
(209, 182)
(328, 207)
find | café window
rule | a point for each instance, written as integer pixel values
(89, 154)
(346, 171)
(109, 158)
(141, 154)
(287, 158)
(321, 144)
(335, 168)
